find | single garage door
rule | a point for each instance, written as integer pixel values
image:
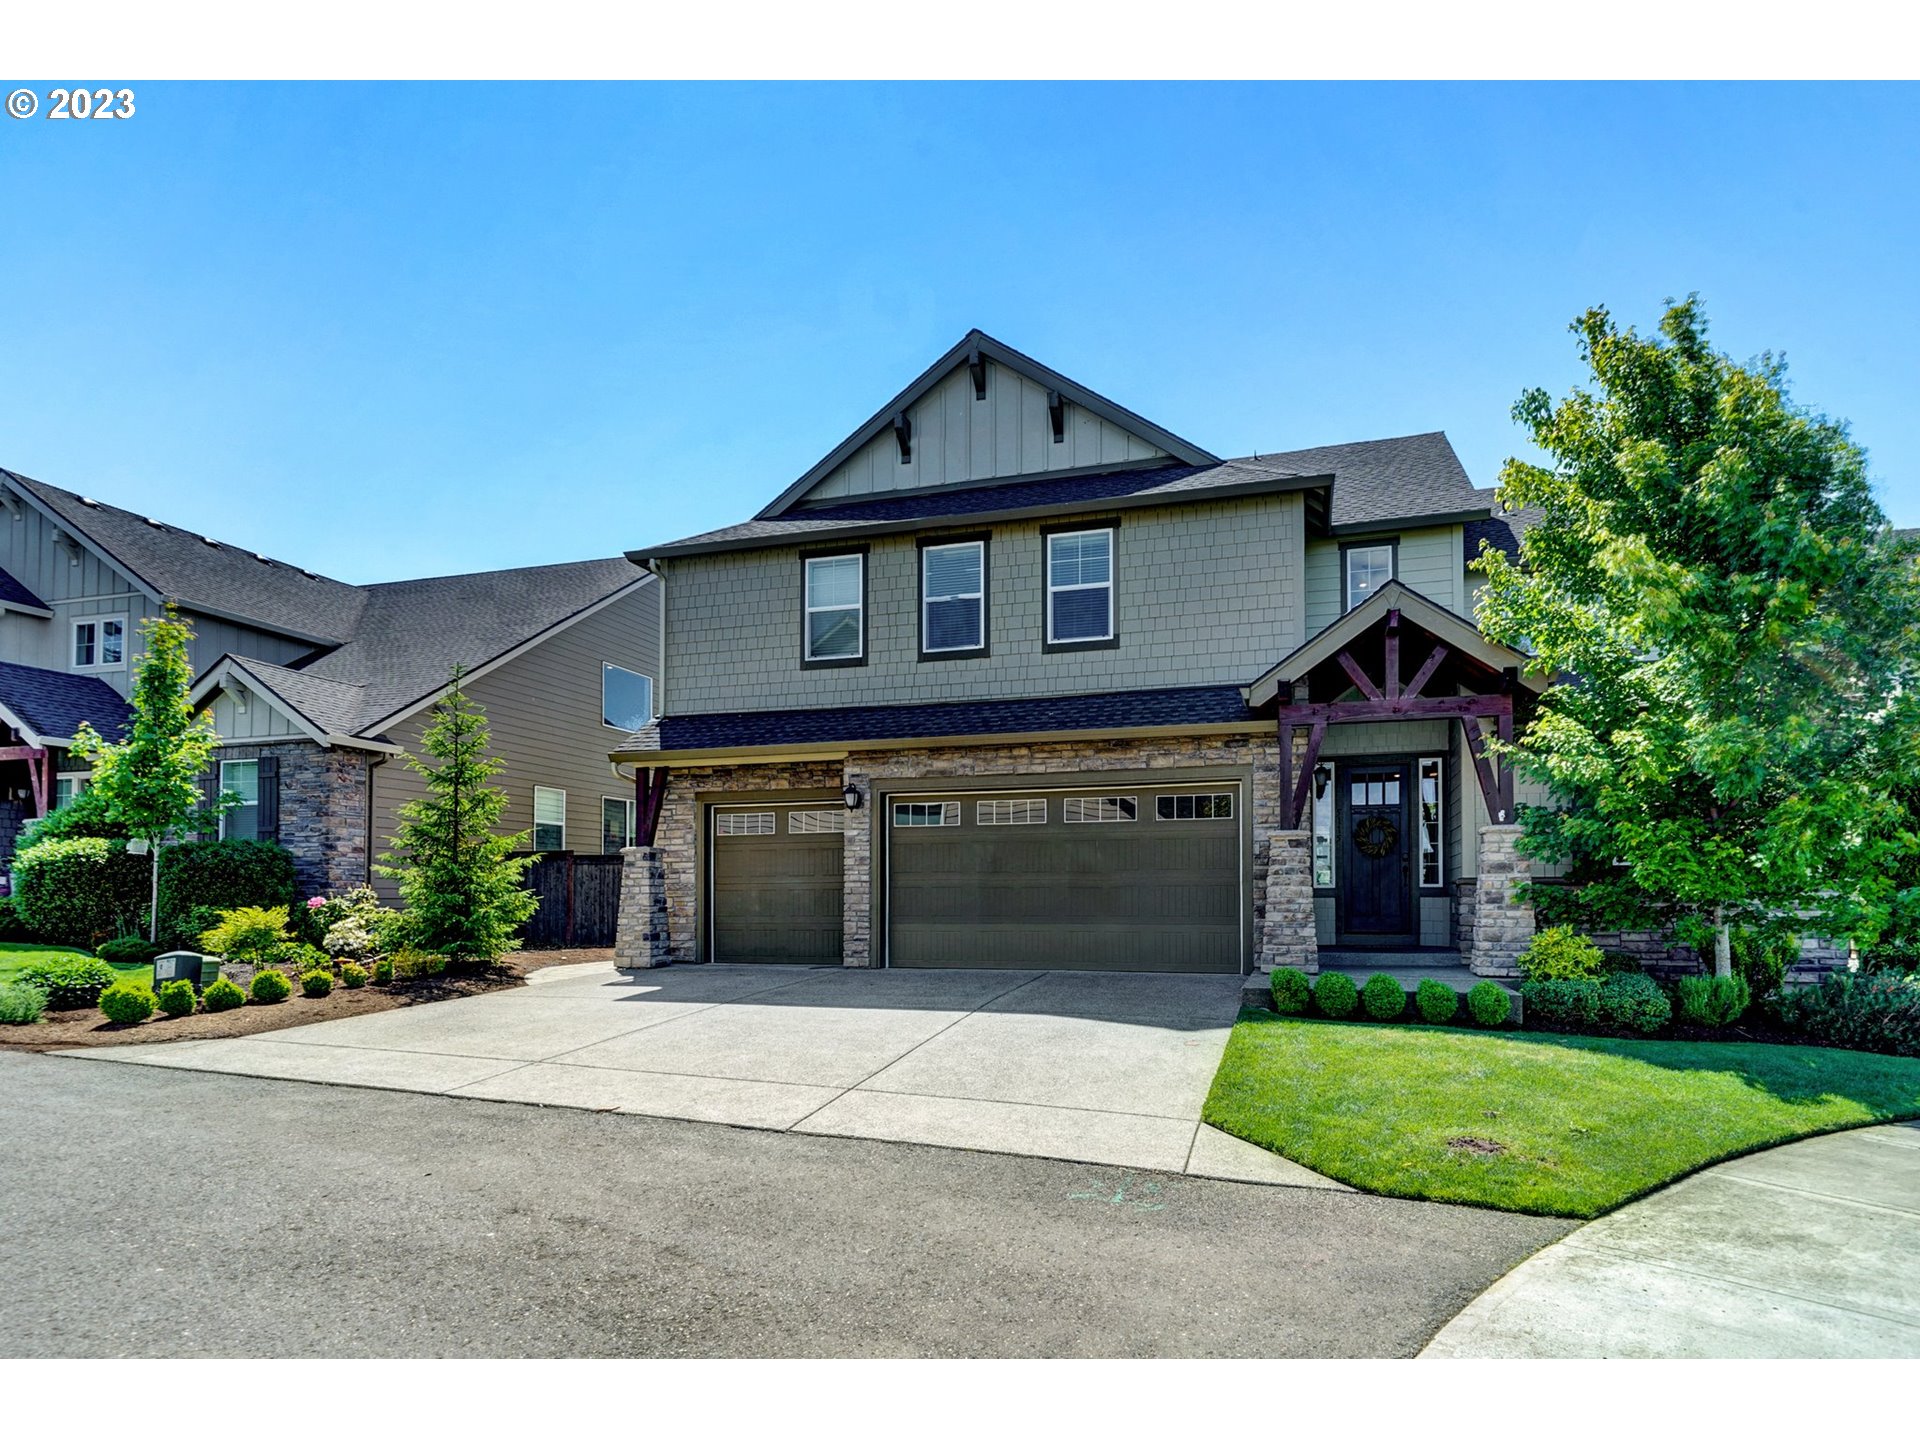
(1127, 877)
(775, 891)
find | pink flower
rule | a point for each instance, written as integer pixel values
(314, 902)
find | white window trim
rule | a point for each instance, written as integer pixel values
(534, 835)
(653, 708)
(73, 638)
(254, 804)
(1346, 569)
(633, 820)
(859, 607)
(979, 598)
(81, 779)
(1107, 584)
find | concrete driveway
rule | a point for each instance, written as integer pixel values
(1111, 1069)
(1810, 1250)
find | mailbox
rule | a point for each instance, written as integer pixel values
(178, 965)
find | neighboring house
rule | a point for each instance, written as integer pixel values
(1016, 677)
(316, 686)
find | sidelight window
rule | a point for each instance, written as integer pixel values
(1430, 822)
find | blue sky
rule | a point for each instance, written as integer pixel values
(400, 330)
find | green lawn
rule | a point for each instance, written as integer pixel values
(1576, 1124)
(14, 955)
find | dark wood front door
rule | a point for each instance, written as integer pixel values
(1375, 881)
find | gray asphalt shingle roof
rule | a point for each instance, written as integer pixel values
(1374, 482)
(52, 703)
(206, 575)
(1502, 529)
(336, 707)
(12, 592)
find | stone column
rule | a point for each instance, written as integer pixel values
(1502, 924)
(1287, 935)
(640, 937)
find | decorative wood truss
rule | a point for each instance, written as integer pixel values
(649, 795)
(39, 772)
(1391, 698)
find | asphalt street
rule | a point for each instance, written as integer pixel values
(156, 1212)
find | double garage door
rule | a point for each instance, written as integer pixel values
(1105, 877)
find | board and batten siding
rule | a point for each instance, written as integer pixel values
(257, 721)
(957, 439)
(543, 714)
(1206, 594)
(1429, 560)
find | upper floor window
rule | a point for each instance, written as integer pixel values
(1368, 568)
(100, 642)
(1079, 586)
(626, 698)
(953, 597)
(835, 605)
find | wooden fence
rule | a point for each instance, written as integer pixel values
(579, 900)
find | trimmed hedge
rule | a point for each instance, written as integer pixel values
(81, 891)
(127, 950)
(1383, 998)
(221, 875)
(1437, 1003)
(126, 1002)
(223, 994)
(1572, 1003)
(1489, 1004)
(1634, 1002)
(1291, 992)
(1335, 995)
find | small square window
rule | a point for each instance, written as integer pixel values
(1368, 568)
(626, 698)
(100, 643)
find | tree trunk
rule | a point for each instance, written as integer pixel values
(1722, 945)
(153, 910)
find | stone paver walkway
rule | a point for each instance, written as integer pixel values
(1808, 1250)
(1111, 1069)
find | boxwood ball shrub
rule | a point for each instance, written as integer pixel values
(1489, 1004)
(177, 998)
(223, 994)
(1383, 997)
(220, 875)
(1437, 1003)
(1560, 954)
(21, 1005)
(270, 987)
(126, 1002)
(316, 984)
(1574, 1004)
(353, 976)
(1634, 1002)
(70, 982)
(127, 950)
(76, 892)
(1712, 1000)
(1335, 996)
(418, 964)
(1291, 992)
(383, 972)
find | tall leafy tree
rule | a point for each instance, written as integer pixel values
(460, 881)
(149, 782)
(1735, 630)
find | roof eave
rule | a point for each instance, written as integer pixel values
(839, 750)
(1401, 522)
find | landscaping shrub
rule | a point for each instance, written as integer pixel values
(1489, 1004)
(126, 1002)
(383, 972)
(70, 982)
(1291, 992)
(301, 958)
(317, 984)
(223, 994)
(1437, 1003)
(248, 934)
(1561, 954)
(12, 927)
(83, 817)
(1712, 1000)
(127, 950)
(1634, 1002)
(353, 924)
(418, 965)
(80, 891)
(270, 987)
(221, 875)
(21, 1004)
(1761, 959)
(1878, 1010)
(353, 976)
(1334, 995)
(1571, 1003)
(1383, 997)
(177, 998)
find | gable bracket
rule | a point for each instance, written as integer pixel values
(903, 434)
(1057, 414)
(977, 371)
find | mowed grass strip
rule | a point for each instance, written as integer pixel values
(1545, 1124)
(16, 955)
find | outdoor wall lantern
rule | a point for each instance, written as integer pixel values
(851, 795)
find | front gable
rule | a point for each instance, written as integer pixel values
(982, 413)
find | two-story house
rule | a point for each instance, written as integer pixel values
(316, 686)
(1016, 677)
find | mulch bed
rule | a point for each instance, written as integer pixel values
(76, 1029)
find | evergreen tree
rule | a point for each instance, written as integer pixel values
(149, 782)
(460, 882)
(1734, 626)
